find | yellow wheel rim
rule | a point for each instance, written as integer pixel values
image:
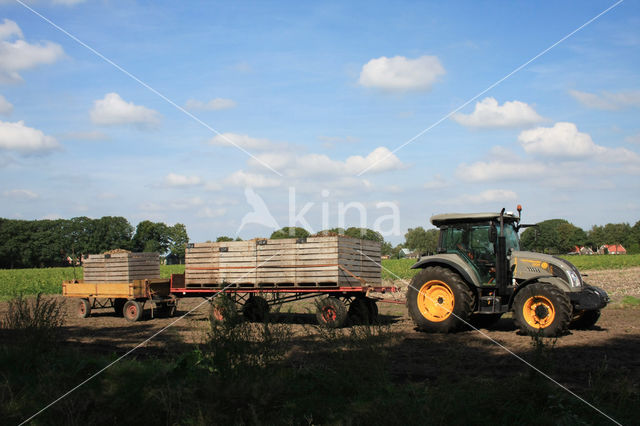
(538, 312)
(436, 301)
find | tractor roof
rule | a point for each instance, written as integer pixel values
(443, 219)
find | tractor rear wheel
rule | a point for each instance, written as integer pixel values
(585, 319)
(542, 308)
(438, 300)
(332, 313)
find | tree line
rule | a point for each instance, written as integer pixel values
(48, 243)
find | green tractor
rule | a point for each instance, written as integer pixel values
(479, 273)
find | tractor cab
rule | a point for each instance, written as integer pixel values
(474, 237)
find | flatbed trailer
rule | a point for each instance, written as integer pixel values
(129, 300)
(126, 299)
(248, 276)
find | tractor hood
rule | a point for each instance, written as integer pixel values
(528, 265)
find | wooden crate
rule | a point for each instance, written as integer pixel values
(120, 267)
(312, 262)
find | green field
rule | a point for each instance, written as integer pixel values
(49, 280)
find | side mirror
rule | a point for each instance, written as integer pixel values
(493, 233)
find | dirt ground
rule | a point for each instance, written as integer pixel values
(612, 346)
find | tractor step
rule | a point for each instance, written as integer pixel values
(490, 304)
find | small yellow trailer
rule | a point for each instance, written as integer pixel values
(127, 299)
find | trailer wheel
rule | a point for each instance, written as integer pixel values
(585, 319)
(256, 309)
(84, 308)
(223, 310)
(132, 310)
(166, 309)
(360, 311)
(331, 313)
(118, 306)
(373, 310)
(438, 300)
(542, 308)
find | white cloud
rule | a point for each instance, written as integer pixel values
(489, 114)
(6, 108)
(20, 55)
(113, 110)
(18, 137)
(173, 179)
(400, 73)
(243, 141)
(213, 105)
(254, 180)
(20, 194)
(496, 170)
(8, 29)
(52, 216)
(377, 161)
(608, 100)
(490, 196)
(563, 139)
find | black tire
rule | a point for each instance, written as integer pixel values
(359, 311)
(84, 308)
(332, 313)
(583, 320)
(542, 308)
(256, 309)
(373, 310)
(438, 300)
(132, 310)
(484, 320)
(118, 306)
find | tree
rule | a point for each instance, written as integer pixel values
(290, 232)
(553, 236)
(151, 237)
(421, 240)
(223, 239)
(364, 234)
(178, 240)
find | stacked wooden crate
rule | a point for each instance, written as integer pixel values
(326, 261)
(120, 267)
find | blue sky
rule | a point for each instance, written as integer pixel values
(319, 96)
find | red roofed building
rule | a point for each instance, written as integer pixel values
(612, 249)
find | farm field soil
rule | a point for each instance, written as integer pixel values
(611, 347)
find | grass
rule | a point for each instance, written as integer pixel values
(604, 261)
(49, 280)
(630, 301)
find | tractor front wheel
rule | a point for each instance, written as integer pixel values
(542, 308)
(438, 300)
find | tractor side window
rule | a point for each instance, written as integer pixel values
(452, 238)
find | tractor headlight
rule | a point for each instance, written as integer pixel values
(574, 279)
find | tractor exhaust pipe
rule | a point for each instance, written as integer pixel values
(502, 268)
